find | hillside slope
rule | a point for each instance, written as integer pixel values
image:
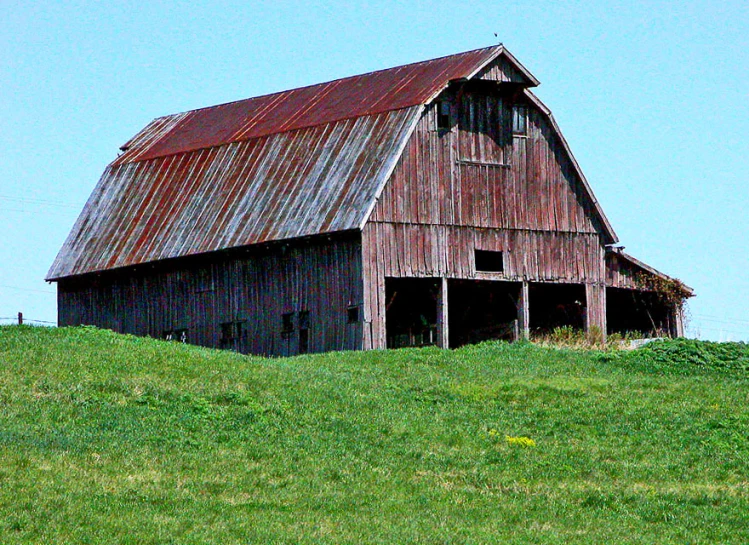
(107, 438)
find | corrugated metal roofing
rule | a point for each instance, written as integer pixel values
(315, 180)
(356, 96)
(297, 163)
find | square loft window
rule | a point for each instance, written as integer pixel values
(489, 261)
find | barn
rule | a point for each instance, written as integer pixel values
(431, 203)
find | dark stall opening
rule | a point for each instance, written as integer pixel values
(639, 313)
(481, 310)
(411, 311)
(556, 305)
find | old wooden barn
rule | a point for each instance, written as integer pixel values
(432, 203)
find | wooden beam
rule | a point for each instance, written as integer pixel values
(677, 316)
(524, 317)
(443, 331)
(595, 312)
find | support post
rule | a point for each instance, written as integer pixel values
(379, 318)
(524, 316)
(20, 318)
(443, 332)
(677, 315)
(595, 311)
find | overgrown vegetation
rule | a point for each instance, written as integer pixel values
(571, 337)
(107, 438)
(670, 292)
(682, 354)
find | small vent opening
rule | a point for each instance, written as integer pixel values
(287, 323)
(489, 261)
(519, 120)
(443, 115)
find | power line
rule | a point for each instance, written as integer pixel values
(720, 330)
(717, 319)
(55, 212)
(41, 201)
(15, 320)
(27, 289)
(739, 324)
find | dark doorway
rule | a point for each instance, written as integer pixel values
(556, 305)
(411, 311)
(481, 310)
(641, 313)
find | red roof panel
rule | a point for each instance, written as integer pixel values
(302, 162)
(356, 96)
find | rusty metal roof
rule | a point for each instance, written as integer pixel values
(315, 180)
(356, 96)
(297, 163)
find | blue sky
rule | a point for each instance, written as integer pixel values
(652, 97)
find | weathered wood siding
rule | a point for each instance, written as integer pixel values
(501, 70)
(255, 289)
(478, 186)
(486, 179)
(405, 250)
(398, 249)
(621, 273)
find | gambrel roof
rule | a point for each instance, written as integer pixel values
(302, 162)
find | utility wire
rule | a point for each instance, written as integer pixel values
(55, 212)
(721, 330)
(25, 319)
(26, 289)
(41, 201)
(717, 319)
(739, 324)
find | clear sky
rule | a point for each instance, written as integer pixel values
(653, 98)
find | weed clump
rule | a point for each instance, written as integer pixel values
(680, 352)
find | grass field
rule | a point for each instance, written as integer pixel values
(115, 439)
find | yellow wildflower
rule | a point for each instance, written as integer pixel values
(520, 441)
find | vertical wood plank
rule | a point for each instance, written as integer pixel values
(524, 317)
(595, 315)
(443, 332)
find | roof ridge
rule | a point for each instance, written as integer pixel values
(266, 95)
(351, 97)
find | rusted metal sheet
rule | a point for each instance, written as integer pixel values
(356, 96)
(307, 161)
(316, 180)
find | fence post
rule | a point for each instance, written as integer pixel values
(20, 318)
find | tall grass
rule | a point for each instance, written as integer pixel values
(107, 438)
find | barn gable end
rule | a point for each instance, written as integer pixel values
(522, 182)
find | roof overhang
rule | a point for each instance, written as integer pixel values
(620, 253)
(493, 54)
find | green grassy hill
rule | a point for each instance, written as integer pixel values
(107, 438)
